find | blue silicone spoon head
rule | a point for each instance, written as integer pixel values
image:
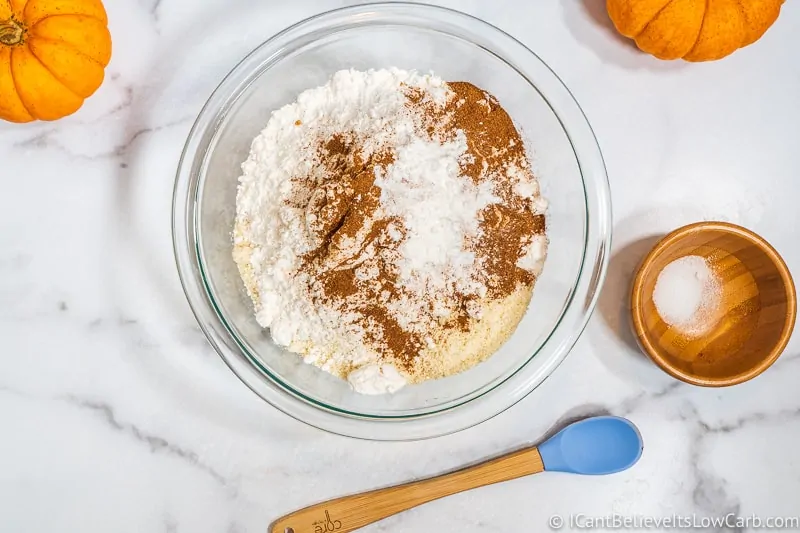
(595, 446)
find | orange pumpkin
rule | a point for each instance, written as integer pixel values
(53, 55)
(695, 30)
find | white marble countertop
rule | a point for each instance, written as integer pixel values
(117, 416)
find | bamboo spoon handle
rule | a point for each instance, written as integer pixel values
(353, 512)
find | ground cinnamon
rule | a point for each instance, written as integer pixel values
(349, 273)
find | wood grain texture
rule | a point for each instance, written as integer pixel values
(353, 512)
(753, 323)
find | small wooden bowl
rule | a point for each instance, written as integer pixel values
(757, 312)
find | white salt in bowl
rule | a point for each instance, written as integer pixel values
(752, 318)
(456, 47)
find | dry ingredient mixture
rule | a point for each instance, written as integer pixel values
(389, 227)
(687, 295)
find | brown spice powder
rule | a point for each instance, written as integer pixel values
(492, 138)
(348, 226)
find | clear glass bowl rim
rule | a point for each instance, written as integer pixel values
(476, 409)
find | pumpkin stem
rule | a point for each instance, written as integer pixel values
(12, 32)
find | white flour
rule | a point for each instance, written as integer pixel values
(376, 379)
(439, 210)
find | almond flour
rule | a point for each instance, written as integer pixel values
(389, 228)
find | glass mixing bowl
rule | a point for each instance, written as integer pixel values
(456, 47)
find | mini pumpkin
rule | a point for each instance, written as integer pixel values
(53, 55)
(695, 30)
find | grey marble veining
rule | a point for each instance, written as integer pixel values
(117, 415)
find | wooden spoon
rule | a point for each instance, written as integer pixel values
(594, 446)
